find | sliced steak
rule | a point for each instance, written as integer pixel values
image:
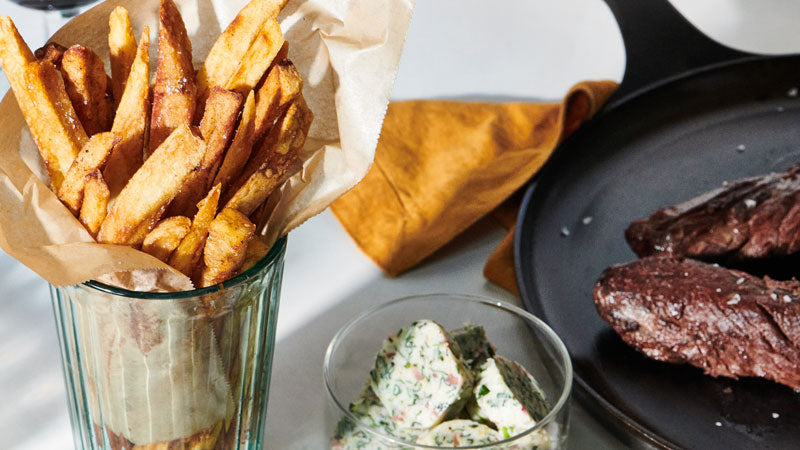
(724, 321)
(749, 219)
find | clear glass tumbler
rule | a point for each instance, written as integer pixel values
(170, 370)
(515, 333)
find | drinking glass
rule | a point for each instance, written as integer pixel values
(515, 333)
(170, 370)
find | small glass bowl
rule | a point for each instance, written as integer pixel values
(515, 333)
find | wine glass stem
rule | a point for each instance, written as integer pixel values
(69, 13)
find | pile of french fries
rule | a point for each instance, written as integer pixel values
(177, 169)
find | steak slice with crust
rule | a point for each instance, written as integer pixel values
(749, 219)
(728, 323)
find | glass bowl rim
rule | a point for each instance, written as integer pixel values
(273, 255)
(561, 349)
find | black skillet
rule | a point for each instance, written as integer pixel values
(688, 115)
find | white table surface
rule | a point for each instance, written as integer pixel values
(514, 49)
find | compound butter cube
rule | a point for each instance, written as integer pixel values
(459, 433)
(419, 376)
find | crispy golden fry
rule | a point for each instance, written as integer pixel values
(233, 44)
(122, 47)
(282, 85)
(226, 246)
(52, 53)
(187, 255)
(147, 225)
(241, 147)
(258, 58)
(166, 237)
(153, 186)
(174, 91)
(86, 82)
(95, 202)
(269, 165)
(256, 251)
(131, 121)
(217, 127)
(91, 158)
(43, 101)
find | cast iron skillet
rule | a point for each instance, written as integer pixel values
(688, 115)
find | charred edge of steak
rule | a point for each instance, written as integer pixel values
(748, 219)
(724, 321)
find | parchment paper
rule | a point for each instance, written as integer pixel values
(163, 372)
(347, 51)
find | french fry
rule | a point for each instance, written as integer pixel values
(86, 82)
(226, 247)
(95, 202)
(187, 255)
(241, 147)
(219, 121)
(258, 58)
(52, 53)
(147, 225)
(282, 85)
(43, 101)
(256, 251)
(233, 44)
(166, 237)
(131, 121)
(122, 49)
(174, 91)
(269, 165)
(91, 158)
(152, 187)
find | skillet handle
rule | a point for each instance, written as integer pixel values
(661, 44)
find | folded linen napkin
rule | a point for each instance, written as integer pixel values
(440, 166)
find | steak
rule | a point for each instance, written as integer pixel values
(726, 322)
(745, 220)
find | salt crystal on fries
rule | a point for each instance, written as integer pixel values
(174, 92)
(52, 52)
(166, 236)
(153, 186)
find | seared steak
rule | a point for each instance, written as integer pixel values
(724, 321)
(748, 219)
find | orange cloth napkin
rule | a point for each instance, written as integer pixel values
(440, 166)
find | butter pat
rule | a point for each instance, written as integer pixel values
(507, 396)
(419, 376)
(459, 433)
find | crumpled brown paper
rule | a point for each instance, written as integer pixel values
(442, 165)
(347, 51)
